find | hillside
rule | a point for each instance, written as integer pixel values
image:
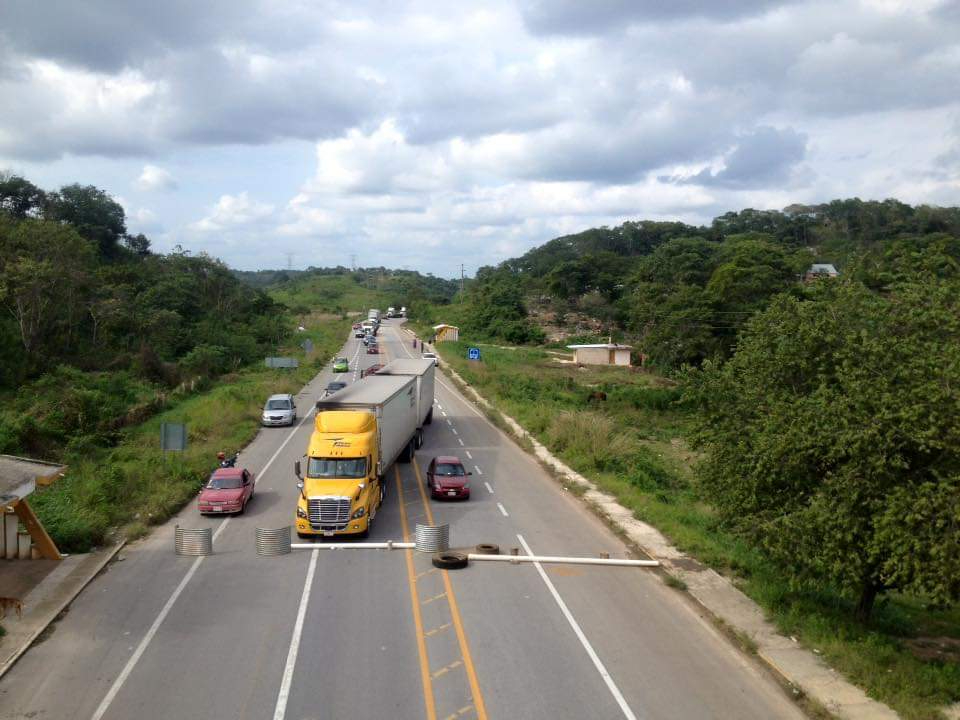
(681, 293)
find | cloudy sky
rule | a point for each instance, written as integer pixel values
(429, 134)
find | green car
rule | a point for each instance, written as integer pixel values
(341, 365)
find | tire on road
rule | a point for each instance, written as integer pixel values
(406, 455)
(429, 417)
(487, 549)
(450, 560)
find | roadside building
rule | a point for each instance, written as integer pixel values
(446, 333)
(820, 270)
(601, 354)
(23, 536)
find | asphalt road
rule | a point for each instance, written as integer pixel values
(382, 634)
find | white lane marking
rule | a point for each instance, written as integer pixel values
(284, 694)
(459, 440)
(503, 510)
(489, 489)
(469, 455)
(477, 468)
(141, 648)
(611, 685)
(450, 390)
(454, 431)
(449, 421)
(442, 412)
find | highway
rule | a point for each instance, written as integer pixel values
(382, 634)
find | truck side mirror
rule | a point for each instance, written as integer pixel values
(296, 470)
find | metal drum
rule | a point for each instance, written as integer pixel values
(273, 542)
(193, 542)
(432, 538)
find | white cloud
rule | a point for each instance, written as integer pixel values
(155, 178)
(232, 212)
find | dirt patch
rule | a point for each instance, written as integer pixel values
(944, 649)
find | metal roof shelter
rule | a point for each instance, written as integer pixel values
(18, 478)
(444, 332)
(601, 354)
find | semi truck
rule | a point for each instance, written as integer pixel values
(391, 312)
(373, 314)
(423, 371)
(358, 434)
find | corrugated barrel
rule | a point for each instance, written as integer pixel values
(272, 542)
(193, 542)
(433, 538)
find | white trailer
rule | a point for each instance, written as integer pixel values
(423, 371)
(373, 314)
(393, 402)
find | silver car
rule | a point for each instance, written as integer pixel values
(279, 410)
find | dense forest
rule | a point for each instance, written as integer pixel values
(94, 324)
(681, 293)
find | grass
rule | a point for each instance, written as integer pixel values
(133, 485)
(335, 294)
(631, 444)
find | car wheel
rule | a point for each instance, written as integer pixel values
(450, 560)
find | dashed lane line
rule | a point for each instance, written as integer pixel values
(489, 489)
(503, 510)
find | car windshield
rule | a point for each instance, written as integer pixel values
(337, 467)
(278, 405)
(333, 387)
(449, 470)
(225, 483)
(341, 361)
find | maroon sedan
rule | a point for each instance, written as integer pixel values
(372, 349)
(227, 491)
(447, 478)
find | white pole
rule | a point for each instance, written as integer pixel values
(354, 546)
(568, 560)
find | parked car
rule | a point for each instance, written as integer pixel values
(227, 491)
(447, 478)
(333, 387)
(279, 410)
(372, 370)
(341, 365)
(431, 356)
(373, 349)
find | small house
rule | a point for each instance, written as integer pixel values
(446, 333)
(820, 270)
(601, 354)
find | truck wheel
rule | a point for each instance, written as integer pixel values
(450, 560)
(419, 439)
(406, 455)
(429, 417)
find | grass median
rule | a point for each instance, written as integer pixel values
(625, 430)
(126, 488)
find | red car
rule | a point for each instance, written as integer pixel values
(372, 370)
(227, 491)
(447, 478)
(373, 349)
(356, 326)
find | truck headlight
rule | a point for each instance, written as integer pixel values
(301, 513)
(358, 513)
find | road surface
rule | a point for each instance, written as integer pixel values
(360, 634)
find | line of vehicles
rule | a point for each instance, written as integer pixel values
(360, 431)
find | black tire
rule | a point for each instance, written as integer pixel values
(429, 417)
(419, 439)
(487, 549)
(450, 560)
(406, 455)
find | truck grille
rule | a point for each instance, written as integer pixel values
(331, 513)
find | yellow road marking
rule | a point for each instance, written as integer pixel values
(454, 612)
(431, 633)
(417, 620)
(431, 599)
(426, 572)
(459, 713)
(444, 670)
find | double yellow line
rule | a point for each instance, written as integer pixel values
(425, 674)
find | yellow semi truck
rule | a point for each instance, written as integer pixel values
(359, 432)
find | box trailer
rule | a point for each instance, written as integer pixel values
(423, 371)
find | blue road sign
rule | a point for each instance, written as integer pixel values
(473, 354)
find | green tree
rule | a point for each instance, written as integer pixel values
(95, 215)
(833, 437)
(19, 197)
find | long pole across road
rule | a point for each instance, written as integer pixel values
(382, 633)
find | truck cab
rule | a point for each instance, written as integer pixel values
(340, 491)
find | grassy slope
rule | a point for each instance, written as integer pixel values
(133, 485)
(632, 446)
(330, 294)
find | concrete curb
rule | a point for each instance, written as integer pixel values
(792, 662)
(21, 635)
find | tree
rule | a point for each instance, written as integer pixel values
(139, 243)
(95, 215)
(19, 197)
(833, 437)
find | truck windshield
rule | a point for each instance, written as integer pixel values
(337, 467)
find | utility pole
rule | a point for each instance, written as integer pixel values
(461, 283)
